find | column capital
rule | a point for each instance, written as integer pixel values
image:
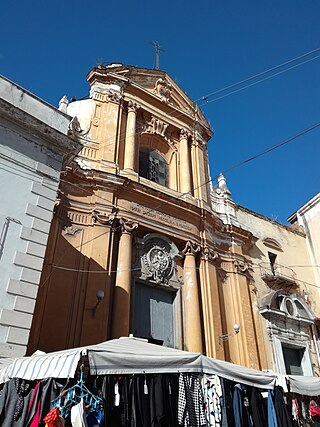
(103, 218)
(240, 267)
(209, 254)
(191, 248)
(127, 225)
(133, 106)
(184, 134)
(198, 140)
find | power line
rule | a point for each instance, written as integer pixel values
(176, 114)
(75, 270)
(236, 166)
(260, 74)
(257, 82)
(274, 147)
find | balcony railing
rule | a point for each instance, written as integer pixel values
(277, 274)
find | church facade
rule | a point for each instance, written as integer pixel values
(141, 242)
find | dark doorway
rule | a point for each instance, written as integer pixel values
(154, 314)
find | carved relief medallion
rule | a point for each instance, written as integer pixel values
(157, 260)
(157, 256)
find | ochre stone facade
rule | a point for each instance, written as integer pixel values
(138, 219)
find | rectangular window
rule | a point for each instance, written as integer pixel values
(293, 358)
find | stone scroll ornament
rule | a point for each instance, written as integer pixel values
(127, 225)
(157, 260)
(191, 248)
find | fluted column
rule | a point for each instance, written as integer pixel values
(185, 169)
(122, 291)
(191, 303)
(130, 140)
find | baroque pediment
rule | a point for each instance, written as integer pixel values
(156, 82)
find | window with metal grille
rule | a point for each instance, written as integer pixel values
(153, 166)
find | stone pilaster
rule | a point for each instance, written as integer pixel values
(122, 291)
(191, 303)
(199, 173)
(209, 284)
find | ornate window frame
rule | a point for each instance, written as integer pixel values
(288, 320)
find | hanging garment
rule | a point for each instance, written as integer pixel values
(258, 408)
(78, 415)
(190, 401)
(272, 416)
(40, 403)
(34, 415)
(53, 418)
(163, 390)
(314, 409)
(242, 416)
(212, 395)
(295, 411)
(14, 402)
(95, 419)
(283, 415)
(117, 415)
(227, 404)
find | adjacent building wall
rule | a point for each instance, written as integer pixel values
(292, 276)
(33, 147)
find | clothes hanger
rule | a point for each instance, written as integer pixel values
(74, 395)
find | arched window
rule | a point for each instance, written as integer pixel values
(153, 166)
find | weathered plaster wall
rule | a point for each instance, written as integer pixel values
(292, 253)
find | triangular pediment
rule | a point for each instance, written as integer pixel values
(160, 85)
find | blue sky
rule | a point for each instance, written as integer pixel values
(48, 47)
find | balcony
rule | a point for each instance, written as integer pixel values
(277, 275)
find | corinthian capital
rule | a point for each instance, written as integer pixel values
(240, 266)
(191, 248)
(127, 225)
(133, 106)
(184, 134)
(209, 254)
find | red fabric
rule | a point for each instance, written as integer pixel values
(36, 419)
(52, 419)
(314, 409)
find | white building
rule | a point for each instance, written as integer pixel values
(34, 144)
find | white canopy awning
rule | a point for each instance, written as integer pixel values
(136, 356)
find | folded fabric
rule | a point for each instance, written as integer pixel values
(314, 409)
(78, 415)
(54, 419)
